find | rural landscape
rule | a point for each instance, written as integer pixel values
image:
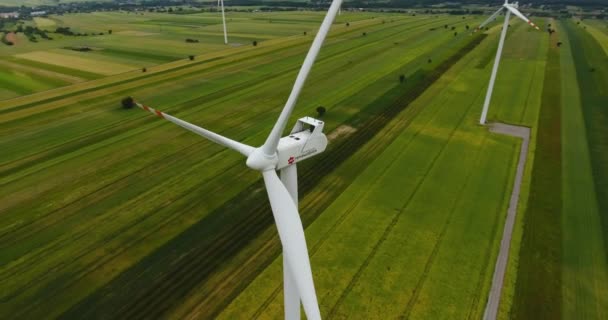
(415, 210)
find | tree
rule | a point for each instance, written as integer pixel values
(144, 69)
(304, 32)
(430, 60)
(364, 34)
(559, 44)
(321, 111)
(110, 31)
(455, 34)
(255, 43)
(191, 57)
(445, 26)
(402, 78)
(348, 24)
(467, 26)
(128, 103)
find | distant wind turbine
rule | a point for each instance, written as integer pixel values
(510, 8)
(220, 3)
(306, 140)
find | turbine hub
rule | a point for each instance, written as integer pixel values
(260, 161)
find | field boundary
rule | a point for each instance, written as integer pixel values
(494, 295)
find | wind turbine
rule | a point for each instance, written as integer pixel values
(510, 8)
(306, 140)
(220, 3)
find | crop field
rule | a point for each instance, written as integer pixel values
(563, 257)
(112, 213)
(108, 206)
(137, 41)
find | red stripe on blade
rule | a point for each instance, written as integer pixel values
(158, 113)
(146, 108)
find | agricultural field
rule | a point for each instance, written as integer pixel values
(120, 42)
(563, 256)
(112, 213)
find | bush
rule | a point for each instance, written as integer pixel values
(255, 43)
(348, 24)
(402, 78)
(321, 111)
(6, 41)
(128, 103)
(192, 40)
(191, 58)
(364, 34)
(144, 70)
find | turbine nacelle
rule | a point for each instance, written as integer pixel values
(512, 5)
(306, 140)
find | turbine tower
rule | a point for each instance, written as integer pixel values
(220, 3)
(282, 153)
(510, 8)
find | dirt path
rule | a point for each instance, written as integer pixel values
(503, 255)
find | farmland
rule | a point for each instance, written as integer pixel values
(118, 42)
(111, 213)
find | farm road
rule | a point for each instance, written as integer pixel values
(503, 255)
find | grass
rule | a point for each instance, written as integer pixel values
(562, 263)
(584, 218)
(539, 270)
(76, 61)
(16, 83)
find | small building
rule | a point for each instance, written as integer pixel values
(8, 15)
(37, 13)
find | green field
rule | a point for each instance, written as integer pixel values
(112, 213)
(562, 266)
(138, 40)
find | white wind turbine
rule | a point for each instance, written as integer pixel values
(510, 8)
(306, 140)
(220, 3)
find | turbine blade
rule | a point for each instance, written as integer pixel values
(490, 19)
(521, 16)
(291, 232)
(270, 146)
(214, 137)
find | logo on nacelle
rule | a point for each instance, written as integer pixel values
(291, 160)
